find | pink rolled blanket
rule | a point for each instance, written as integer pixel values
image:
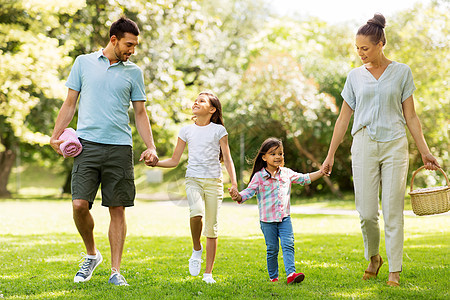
(71, 146)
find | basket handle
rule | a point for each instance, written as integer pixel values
(422, 167)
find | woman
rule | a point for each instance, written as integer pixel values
(380, 93)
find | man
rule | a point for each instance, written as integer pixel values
(105, 82)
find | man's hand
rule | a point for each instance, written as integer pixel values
(55, 143)
(150, 157)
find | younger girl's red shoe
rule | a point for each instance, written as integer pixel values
(295, 278)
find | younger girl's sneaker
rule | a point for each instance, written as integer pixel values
(295, 277)
(274, 279)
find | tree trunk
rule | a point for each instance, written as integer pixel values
(307, 187)
(309, 155)
(6, 163)
(67, 187)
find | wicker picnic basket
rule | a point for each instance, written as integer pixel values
(430, 201)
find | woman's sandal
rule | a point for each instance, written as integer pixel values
(392, 283)
(370, 275)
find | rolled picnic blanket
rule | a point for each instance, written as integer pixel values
(71, 146)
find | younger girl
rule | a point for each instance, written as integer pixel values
(207, 140)
(272, 184)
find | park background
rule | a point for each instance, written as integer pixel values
(276, 75)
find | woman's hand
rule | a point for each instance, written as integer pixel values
(327, 166)
(430, 162)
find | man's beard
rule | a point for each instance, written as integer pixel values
(117, 57)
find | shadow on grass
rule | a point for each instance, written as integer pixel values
(43, 266)
(40, 197)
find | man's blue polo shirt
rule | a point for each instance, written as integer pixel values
(105, 94)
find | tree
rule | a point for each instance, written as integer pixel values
(275, 91)
(185, 46)
(290, 78)
(30, 62)
(419, 38)
(325, 54)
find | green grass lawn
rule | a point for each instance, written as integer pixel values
(40, 250)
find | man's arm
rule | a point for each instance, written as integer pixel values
(65, 115)
(145, 131)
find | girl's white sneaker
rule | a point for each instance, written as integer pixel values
(208, 278)
(195, 264)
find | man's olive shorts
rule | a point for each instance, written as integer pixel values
(110, 165)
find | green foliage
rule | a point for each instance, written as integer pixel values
(285, 92)
(30, 62)
(277, 98)
(185, 47)
(419, 38)
(275, 76)
(322, 55)
(189, 47)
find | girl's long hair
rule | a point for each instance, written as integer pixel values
(214, 101)
(217, 115)
(258, 162)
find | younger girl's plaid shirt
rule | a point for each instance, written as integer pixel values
(273, 193)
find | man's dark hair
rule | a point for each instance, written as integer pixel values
(119, 27)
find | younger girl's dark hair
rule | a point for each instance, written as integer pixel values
(217, 115)
(259, 163)
(374, 28)
(123, 25)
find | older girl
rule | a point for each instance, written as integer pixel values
(207, 139)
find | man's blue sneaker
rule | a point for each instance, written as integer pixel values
(87, 268)
(116, 278)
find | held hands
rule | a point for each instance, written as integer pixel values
(234, 193)
(323, 173)
(430, 162)
(327, 166)
(150, 157)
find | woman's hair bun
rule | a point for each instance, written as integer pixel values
(374, 28)
(377, 20)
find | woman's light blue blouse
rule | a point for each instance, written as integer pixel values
(377, 104)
